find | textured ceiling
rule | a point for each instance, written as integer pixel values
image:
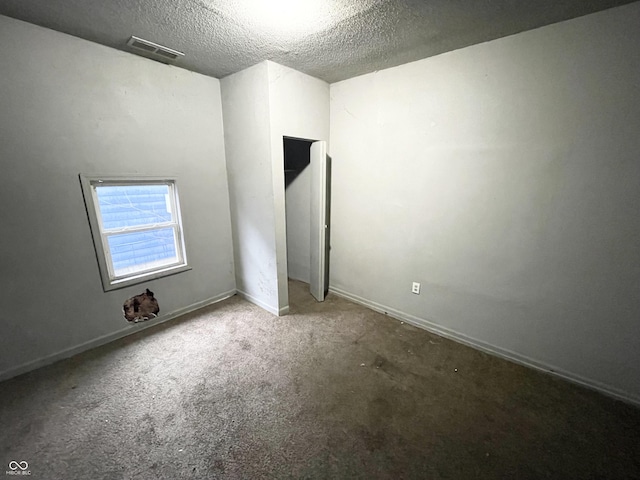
(330, 39)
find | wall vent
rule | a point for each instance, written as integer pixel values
(153, 50)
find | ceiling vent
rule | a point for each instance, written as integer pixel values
(153, 50)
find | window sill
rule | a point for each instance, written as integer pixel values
(109, 285)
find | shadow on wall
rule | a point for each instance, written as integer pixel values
(296, 158)
(327, 227)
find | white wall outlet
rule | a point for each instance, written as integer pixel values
(415, 288)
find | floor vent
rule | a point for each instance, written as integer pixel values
(153, 50)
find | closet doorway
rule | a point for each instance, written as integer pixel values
(307, 174)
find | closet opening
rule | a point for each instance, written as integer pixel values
(307, 207)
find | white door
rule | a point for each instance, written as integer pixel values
(319, 225)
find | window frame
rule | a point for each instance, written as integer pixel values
(111, 281)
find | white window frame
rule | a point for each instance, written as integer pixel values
(111, 281)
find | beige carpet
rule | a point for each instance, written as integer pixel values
(332, 390)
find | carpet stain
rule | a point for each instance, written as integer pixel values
(219, 466)
(379, 361)
(373, 440)
(169, 419)
(146, 430)
(380, 410)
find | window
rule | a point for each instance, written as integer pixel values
(136, 228)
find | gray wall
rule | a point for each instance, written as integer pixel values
(245, 101)
(68, 107)
(505, 177)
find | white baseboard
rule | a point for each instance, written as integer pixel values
(488, 348)
(258, 302)
(96, 342)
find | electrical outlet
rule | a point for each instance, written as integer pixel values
(415, 288)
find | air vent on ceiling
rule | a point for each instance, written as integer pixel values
(153, 50)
